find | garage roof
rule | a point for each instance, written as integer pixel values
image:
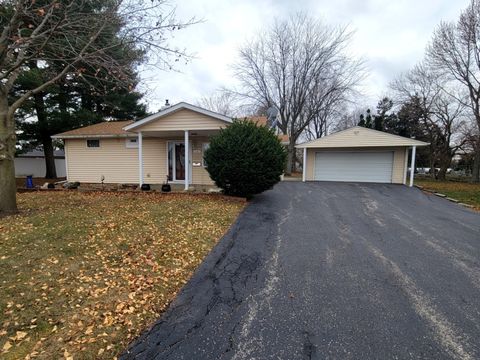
(358, 136)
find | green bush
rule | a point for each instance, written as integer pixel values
(245, 159)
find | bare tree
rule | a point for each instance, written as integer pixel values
(445, 129)
(295, 66)
(222, 101)
(442, 116)
(321, 122)
(328, 102)
(346, 118)
(455, 52)
(63, 38)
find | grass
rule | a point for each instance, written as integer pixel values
(467, 193)
(82, 274)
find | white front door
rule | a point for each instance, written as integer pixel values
(354, 166)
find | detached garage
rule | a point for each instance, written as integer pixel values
(359, 155)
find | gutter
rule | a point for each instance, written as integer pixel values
(93, 136)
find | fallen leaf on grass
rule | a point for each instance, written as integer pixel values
(67, 355)
(7, 346)
(20, 335)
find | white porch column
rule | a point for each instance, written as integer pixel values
(304, 169)
(140, 158)
(187, 161)
(412, 165)
(405, 167)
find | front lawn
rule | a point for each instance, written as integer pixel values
(464, 192)
(82, 274)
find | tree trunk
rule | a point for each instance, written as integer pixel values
(8, 187)
(442, 172)
(445, 162)
(48, 151)
(476, 166)
(46, 140)
(476, 159)
(291, 158)
(432, 168)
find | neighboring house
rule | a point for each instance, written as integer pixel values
(169, 144)
(33, 163)
(263, 121)
(359, 154)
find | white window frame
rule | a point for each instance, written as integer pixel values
(131, 145)
(92, 147)
(203, 153)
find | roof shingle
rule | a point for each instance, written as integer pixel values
(106, 128)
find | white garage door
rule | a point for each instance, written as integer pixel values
(354, 166)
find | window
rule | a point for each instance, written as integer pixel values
(131, 143)
(93, 143)
(205, 146)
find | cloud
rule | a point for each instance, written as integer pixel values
(390, 35)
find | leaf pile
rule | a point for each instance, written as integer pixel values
(82, 274)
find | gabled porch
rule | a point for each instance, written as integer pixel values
(172, 142)
(179, 154)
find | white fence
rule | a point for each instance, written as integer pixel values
(36, 166)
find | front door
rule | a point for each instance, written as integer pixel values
(179, 161)
(176, 161)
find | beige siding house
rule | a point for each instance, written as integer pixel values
(169, 144)
(359, 155)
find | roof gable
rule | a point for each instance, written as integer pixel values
(176, 108)
(358, 136)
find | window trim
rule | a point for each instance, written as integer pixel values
(130, 145)
(92, 147)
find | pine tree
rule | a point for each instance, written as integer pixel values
(362, 121)
(80, 98)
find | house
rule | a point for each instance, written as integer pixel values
(359, 154)
(33, 163)
(169, 144)
(263, 121)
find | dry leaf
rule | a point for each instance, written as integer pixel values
(89, 330)
(67, 355)
(20, 335)
(7, 346)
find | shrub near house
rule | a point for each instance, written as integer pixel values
(245, 159)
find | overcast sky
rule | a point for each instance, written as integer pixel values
(390, 35)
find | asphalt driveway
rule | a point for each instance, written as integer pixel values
(332, 270)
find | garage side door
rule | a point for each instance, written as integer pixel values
(354, 166)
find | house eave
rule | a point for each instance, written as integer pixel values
(315, 146)
(396, 140)
(93, 136)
